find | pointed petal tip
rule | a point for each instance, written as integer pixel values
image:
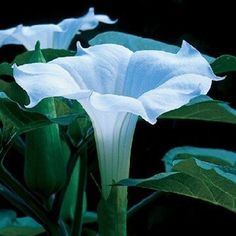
(14, 67)
(187, 49)
(30, 105)
(80, 49)
(219, 78)
(91, 10)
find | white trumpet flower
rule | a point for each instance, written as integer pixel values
(57, 36)
(115, 86)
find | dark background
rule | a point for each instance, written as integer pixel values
(209, 26)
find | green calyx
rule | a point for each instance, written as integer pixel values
(45, 157)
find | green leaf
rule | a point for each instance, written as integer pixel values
(203, 108)
(224, 64)
(5, 69)
(10, 225)
(136, 43)
(14, 92)
(212, 155)
(20, 120)
(16, 120)
(79, 127)
(196, 179)
(90, 217)
(68, 111)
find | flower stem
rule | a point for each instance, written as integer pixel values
(112, 213)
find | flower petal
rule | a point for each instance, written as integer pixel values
(173, 94)
(90, 20)
(116, 104)
(29, 35)
(41, 80)
(5, 37)
(102, 68)
(149, 69)
(71, 26)
(169, 96)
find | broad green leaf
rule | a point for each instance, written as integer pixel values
(5, 69)
(196, 179)
(21, 120)
(14, 92)
(212, 155)
(15, 120)
(224, 64)
(135, 43)
(11, 225)
(204, 108)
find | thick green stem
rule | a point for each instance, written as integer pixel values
(112, 213)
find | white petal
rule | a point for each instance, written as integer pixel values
(41, 80)
(51, 35)
(173, 94)
(5, 37)
(149, 69)
(113, 134)
(115, 103)
(102, 68)
(169, 96)
(90, 20)
(29, 35)
(71, 26)
(105, 19)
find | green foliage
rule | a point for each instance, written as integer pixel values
(21, 120)
(90, 217)
(45, 160)
(48, 54)
(10, 225)
(212, 155)
(14, 91)
(194, 178)
(204, 108)
(16, 121)
(224, 64)
(5, 69)
(112, 214)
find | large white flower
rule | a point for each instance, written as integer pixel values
(115, 86)
(50, 35)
